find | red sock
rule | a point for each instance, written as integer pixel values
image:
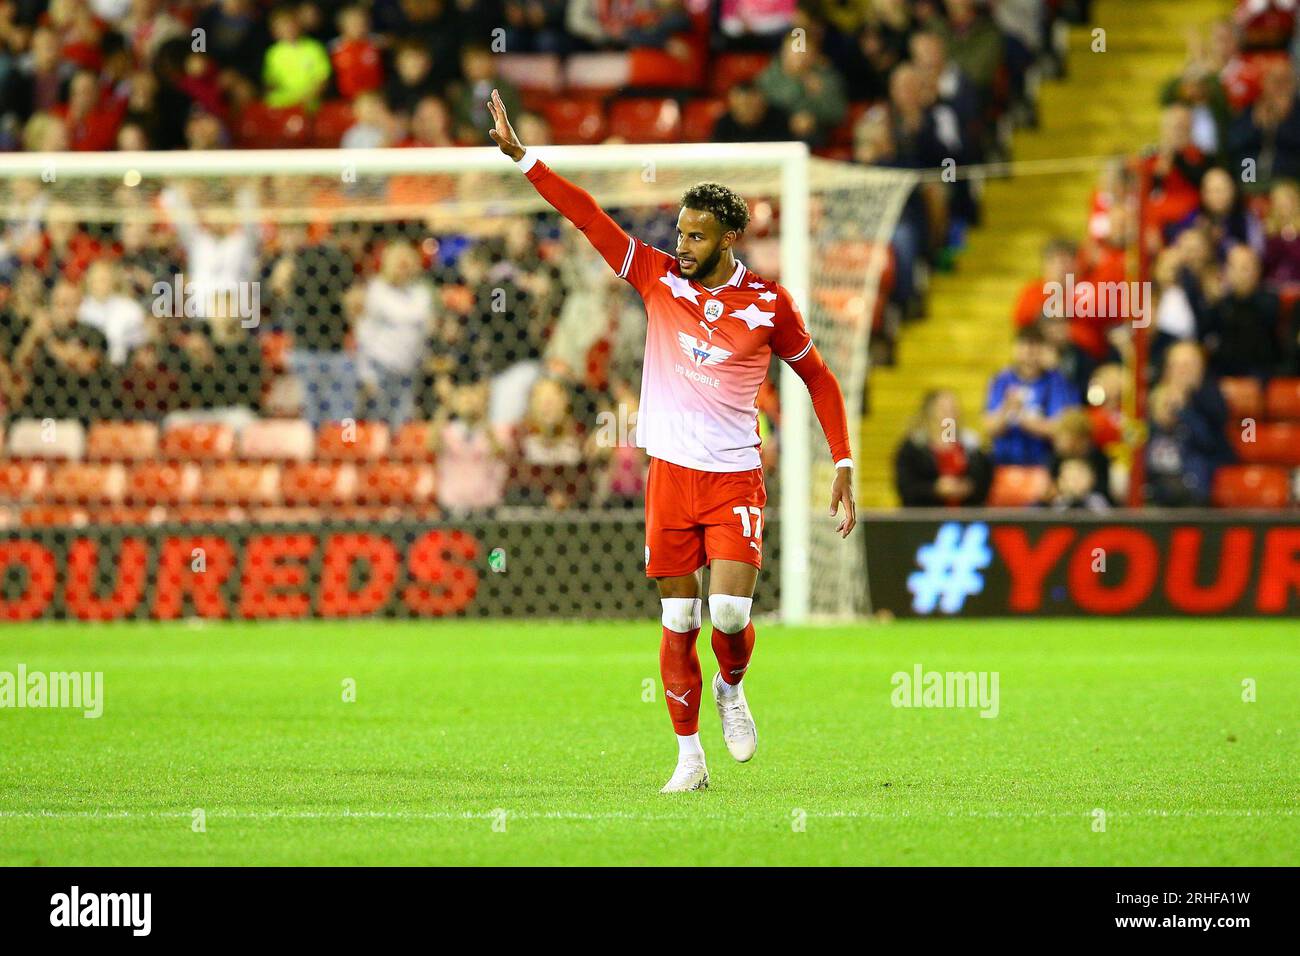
(679, 667)
(733, 652)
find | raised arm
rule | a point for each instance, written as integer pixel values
(572, 202)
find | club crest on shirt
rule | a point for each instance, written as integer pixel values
(713, 310)
(701, 352)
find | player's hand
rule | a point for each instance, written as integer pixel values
(502, 133)
(842, 493)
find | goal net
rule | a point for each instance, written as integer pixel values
(271, 339)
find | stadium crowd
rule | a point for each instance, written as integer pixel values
(374, 322)
(1212, 213)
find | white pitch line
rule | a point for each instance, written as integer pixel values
(446, 815)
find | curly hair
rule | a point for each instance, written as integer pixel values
(726, 204)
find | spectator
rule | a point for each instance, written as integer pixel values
(1199, 89)
(140, 258)
(201, 82)
(478, 80)
(800, 82)
(1282, 245)
(157, 377)
(1075, 488)
(354, 54)
(203, 131)
(750, 118)
(874, 145)
(373, 128)
(235, 36)
(91, 122)
(867, 61)
(537, 26)
(61, 365)
(939, 463)
(1024, 403)
(412, 79)
(1241, 332)
(636, 23)
(1268, 134)
(120, 317)
(549, 468)
(1224, 213)
(1060, 259)
(917, 145)
(973, 42)
(36, 84)
(297, 67)
(1063, 355)
(472, 470)
(950, 88)
(1174, 172)
(758, 23)
(1188, 423)
(392, 335)
(1176, 319)
(306, 283)
(1179, 461)
(431, 124)
(1072, 441)
(220, 251)
(621, 481)
(225, 370)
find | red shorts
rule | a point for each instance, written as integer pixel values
(694, 517)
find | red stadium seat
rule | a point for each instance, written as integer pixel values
(259, 126)
(205, 441)
(356, 441)
(163, 483)
(22, 480)
(576, 121)
(1016, 486)
(330, 123)
(239, 483)
(699, 117)
(842, 135)
(1283, 398)
(122, 441)
(646, 120)
(1244, 396)
(731, 69)
(649, 68)
(1251, 486)
(533, 72)
(1276, 443)
(395, 483)
(54, 516)
(318, 483)
(42, 438)
(412, 443)
(79, 483)
(277, 439)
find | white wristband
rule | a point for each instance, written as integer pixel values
(844, 463)
(526, 161)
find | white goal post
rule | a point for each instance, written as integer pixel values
(827, 223)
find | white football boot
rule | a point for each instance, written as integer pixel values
(738, 728)
(691, 774)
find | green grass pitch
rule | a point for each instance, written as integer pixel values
(524, 742)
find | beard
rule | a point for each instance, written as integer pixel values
(704, 267)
